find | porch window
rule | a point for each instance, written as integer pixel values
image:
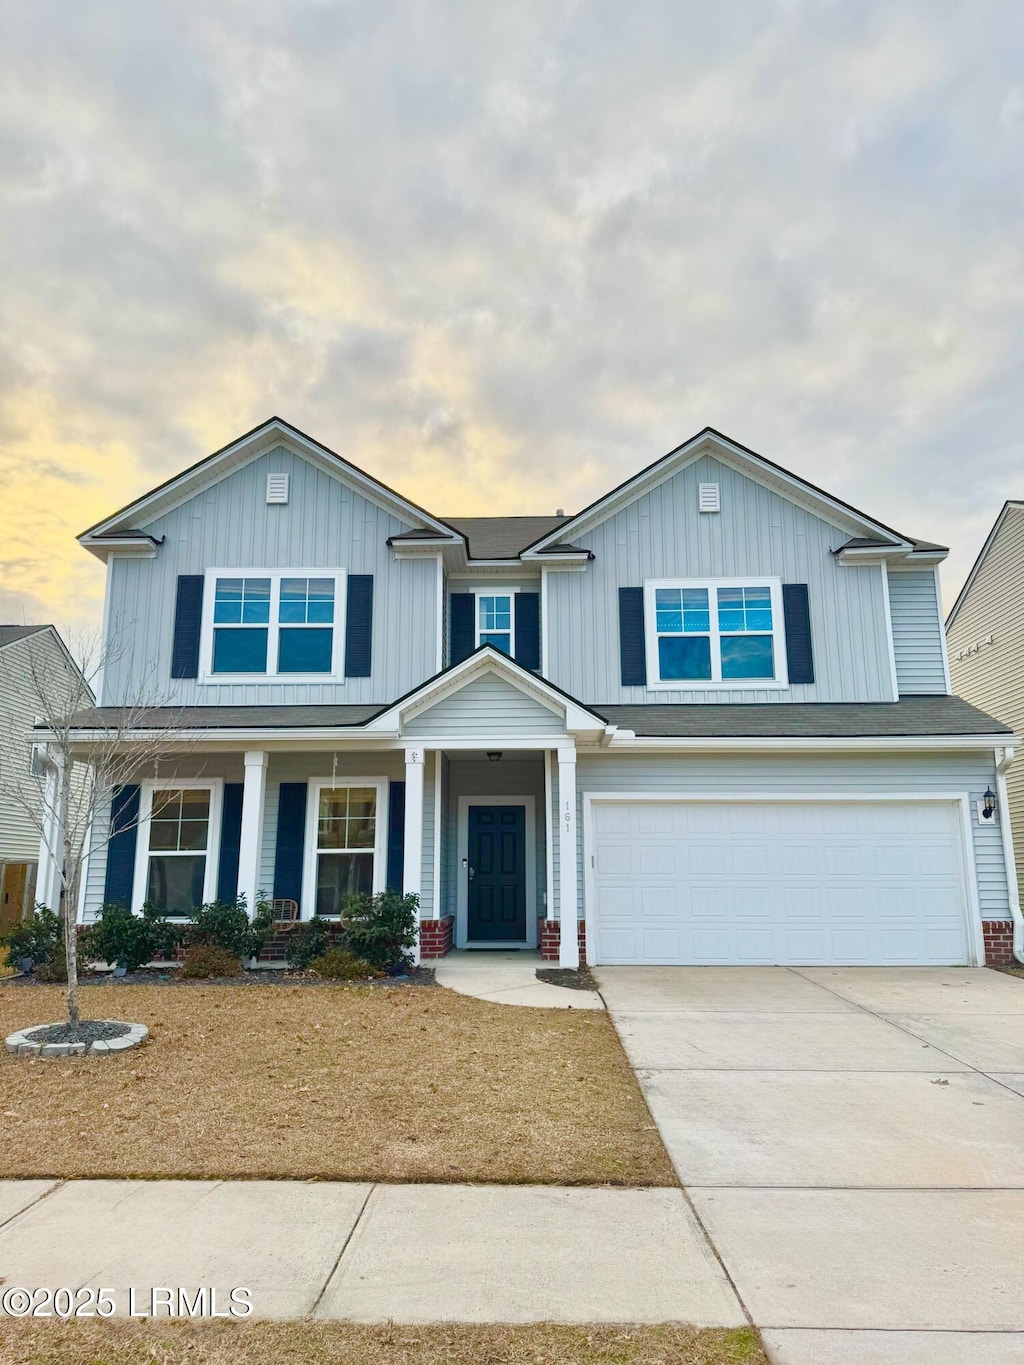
(495, 621)
(178, 834)
(346, 844)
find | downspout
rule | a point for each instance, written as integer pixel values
(1004, 757)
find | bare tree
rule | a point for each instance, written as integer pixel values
(62, 774)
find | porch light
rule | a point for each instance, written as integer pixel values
(494, 755)
(989, 807)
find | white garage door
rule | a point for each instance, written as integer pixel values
(825, 882)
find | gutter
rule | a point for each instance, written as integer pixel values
(1004, 757)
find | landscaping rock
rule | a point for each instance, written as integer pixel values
(98, 1036)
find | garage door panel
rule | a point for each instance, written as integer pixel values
(803, 883)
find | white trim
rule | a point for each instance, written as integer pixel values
(549, 840)
(626, 740)
(568, 865)
(207, 677)
(462, 852)
(975, 934)
(502, 591)
(215, 786)
(250, 842)
(1004, 757)
(439, 625)
(889, 637)
(97, 683)
(655, 683)
(436, 883)
(310, 851)
(544, 622)
(942, 632)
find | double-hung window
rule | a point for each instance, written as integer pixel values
(495, 620)
(176, 845)
(715, 632)
(273, 624)
(344, 841)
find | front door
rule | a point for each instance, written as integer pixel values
(12, 894)
(497, 874)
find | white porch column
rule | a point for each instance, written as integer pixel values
(412, 865)
(47, 875)
(250, 843)
(568, 914)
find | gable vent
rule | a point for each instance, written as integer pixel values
(277, 487)
(707, 497)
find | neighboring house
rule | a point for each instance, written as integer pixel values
(705, 720)
(25, 652)
(985, 638)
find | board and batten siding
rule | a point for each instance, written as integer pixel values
(917, 633)
(988, 632)
(875, 774)
(325, 524)
(663, 535)
(486, 706)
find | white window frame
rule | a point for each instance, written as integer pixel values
(215, 786)
(502, 591)
(715, 682)
(311, 852)
(207, 676)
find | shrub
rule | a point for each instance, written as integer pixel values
(203, 960)
(379, 929)
(226, 924)
(308, 940)
(338, 964)
(119, 936)
(56, 969)
(39, 937)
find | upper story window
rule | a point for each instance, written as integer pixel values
(495, 620)
(718, 632)
(277, 623)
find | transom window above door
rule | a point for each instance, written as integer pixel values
(273, 623)
(495, 620)
(719, 632)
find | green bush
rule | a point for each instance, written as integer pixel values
(119, 936)
(338, 964)
(40, 937)
(226, 924)
(380, 929)
(56, 969)
(310, 939)
(203, 960)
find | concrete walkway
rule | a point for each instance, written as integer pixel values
(509, 978)
(853, 1143)
(370, 1253)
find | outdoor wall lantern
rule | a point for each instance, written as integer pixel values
(989, 807)
(494, 755)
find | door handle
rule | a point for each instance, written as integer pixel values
(472, 873)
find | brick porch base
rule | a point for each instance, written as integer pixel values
(998, 942)
(549, 938)
(436, 936)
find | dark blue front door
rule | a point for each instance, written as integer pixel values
(497, 874)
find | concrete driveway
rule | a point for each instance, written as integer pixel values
(852, 1140)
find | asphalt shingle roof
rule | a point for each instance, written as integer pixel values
(502, 537)
(8, 634)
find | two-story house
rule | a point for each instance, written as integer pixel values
(705, 720)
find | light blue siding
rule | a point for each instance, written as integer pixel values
(903, 773)
(325, 524)
(663, 535)
(917, 631)
(487, 706)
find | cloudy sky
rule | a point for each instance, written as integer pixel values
(503, 254)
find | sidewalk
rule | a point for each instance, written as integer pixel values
(370, 1253)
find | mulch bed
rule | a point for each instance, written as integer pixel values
(578, 980)
(85, 1031)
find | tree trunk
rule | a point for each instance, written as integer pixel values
(69, 873)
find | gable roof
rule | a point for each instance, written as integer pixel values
(275, 431)
(710, 441)
(983, 554)
(9, 634)
(502, 537)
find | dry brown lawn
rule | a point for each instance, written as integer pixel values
(341, 1083)
(335, 1343)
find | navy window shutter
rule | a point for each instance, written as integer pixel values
(124, 822)
(528, 629)
(291, 838)
(188, 621)
(359, 625)
(796, 613)
(396, 836)
(462, 635)
(230, 839)
(632, 654)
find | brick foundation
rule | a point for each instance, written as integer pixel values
(436, 936)
(549, 938)
(998, 942)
